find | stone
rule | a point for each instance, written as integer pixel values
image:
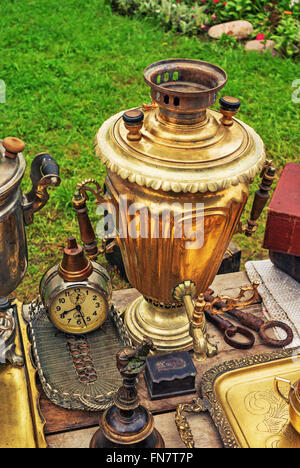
(261, 46)
(240, 29)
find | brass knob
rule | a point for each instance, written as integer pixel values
(133, 121)
(13, 146)
(229, 107)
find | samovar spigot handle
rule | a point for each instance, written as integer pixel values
(44, 174)
(184, 292)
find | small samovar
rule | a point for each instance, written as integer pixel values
(16, 212)
(178, 175)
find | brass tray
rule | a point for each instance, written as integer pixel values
(243, 404)
(20, 419)
(76, 372)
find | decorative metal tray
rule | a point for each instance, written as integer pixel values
(242, 402)
(20, 419)
(76, 372)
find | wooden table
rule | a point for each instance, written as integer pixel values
(74, 429)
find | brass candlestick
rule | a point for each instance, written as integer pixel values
(127, 424)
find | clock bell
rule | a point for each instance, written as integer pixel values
(77, 292)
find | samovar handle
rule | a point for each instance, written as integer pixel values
(87, 232)
(44, 174)
(261, 198)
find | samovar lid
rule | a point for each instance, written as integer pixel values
(12, 163)
(178, 143)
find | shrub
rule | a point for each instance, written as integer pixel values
(278, 20)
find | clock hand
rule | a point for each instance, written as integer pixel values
(78, 308)
(65, 312)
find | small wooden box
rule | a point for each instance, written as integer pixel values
(170, 375)
(232, 260)
(282, 232)
(290, 264)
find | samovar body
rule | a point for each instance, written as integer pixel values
(16, 212)
(17, 209)
(13, 245)
(177, 184)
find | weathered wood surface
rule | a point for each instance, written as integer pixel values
(205, 434)
(59, 422)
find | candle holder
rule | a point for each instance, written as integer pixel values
(127, 424)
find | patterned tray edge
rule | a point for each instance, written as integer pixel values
(66, 400)
(210, 401)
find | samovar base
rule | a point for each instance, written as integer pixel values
(8, 329)
(168, 328)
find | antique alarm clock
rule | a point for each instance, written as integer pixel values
(77, 292)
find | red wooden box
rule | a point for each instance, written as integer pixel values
(282, 232)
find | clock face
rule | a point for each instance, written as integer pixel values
(78, 310)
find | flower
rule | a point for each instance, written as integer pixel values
(216, 1)
(224, 3)
(260, 37)
(214, 16)
(203, 26)
(288, 12)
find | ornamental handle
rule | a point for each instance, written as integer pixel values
(276, 384)
(44, 174)
(261, 198)
(87, 232)
(181, 421)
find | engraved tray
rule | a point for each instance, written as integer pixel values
(21, 423)
(243, 404)
(76, 372)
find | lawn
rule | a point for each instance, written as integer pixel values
(70, 65)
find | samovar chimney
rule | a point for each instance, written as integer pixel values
(184, 89)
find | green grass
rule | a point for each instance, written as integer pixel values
(70, 65)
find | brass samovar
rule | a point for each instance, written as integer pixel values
(171, 163)
(16, 212)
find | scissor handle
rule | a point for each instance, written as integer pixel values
(273, 341)
(247, 319)
(230, 331)
(233, 331)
